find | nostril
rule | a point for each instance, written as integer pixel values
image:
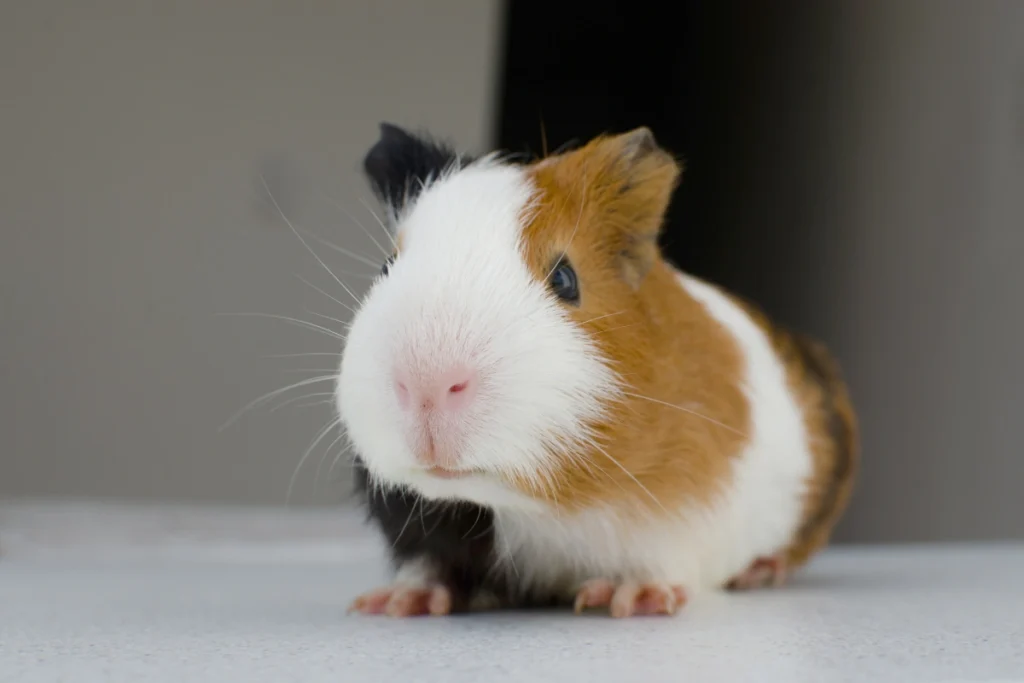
(460, 387)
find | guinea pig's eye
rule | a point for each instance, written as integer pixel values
(564, 283)
(387, 266)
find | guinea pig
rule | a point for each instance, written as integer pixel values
(544, 411)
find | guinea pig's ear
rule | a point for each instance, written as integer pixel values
(401, 164)
(633, 180)
(625, 183)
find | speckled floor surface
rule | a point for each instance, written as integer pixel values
(113, 593)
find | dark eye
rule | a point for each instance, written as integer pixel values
(387, 266)
(564, 283)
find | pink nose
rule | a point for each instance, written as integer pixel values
(447, 391)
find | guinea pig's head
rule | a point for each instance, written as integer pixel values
(489, 357)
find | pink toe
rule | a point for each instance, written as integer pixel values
(594, 593)
(624, 601)
(440, 601)
(373, 602)
(408, 602)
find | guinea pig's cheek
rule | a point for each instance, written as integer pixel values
(365, 399)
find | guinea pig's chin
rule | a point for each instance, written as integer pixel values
(482, 488)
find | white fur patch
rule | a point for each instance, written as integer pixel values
(701, 548)
(460, 293)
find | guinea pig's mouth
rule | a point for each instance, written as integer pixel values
(443, 473)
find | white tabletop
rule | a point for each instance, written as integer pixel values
(119, 593)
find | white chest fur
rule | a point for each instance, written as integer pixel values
(700, 547)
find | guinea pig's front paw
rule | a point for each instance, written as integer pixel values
(630, 598)
(403, 600)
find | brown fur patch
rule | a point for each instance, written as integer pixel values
(670, 443)
(820, 390)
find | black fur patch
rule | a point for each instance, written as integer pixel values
(456, 540)
(821, 369)
(400, 163)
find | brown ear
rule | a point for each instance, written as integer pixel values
(629, 181)
(645, 177)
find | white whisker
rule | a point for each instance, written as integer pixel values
(686, 410)
(630, 475)
(327, 452)
(423, 523)
(355, 220)
(583, 195)
(323, 432)
(329, 401)
(340, 303)
(416, 503)
(334, 370)
(335, 463)
(347, 252)
(270, 395)
(598, 317)
(299, 355)
(308, 248)
(620, 327)
(304, 397)
(394, 243)
(479, 513)
(344, 323)
(301, 323)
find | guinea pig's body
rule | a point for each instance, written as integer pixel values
(545, 411)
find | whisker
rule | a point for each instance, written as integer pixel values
(299, 355)
(630, 475)
(440, 518)
(347, 252)
(314, 403)
(304, 397)
(337, 457)
(479, 513)
(601, 317)
(334, 370)
(589, 463)
(327, 452)
(394, 242)
(340, 303)
(308, 248)
(583, 195)
(344, 323)
(323, 432)
(276, 392)
(416, 503)
(511, 559)
(301, 323)
(355, 220)
(620, 327)
(423, 523)
(686, 410)
(564, 146)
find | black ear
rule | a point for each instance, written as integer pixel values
(400, 163)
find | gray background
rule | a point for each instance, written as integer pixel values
(133, 136)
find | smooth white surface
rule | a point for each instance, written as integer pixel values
(98, 593)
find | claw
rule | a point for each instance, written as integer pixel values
(763, 572)
(629, 598)
(405, 601)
